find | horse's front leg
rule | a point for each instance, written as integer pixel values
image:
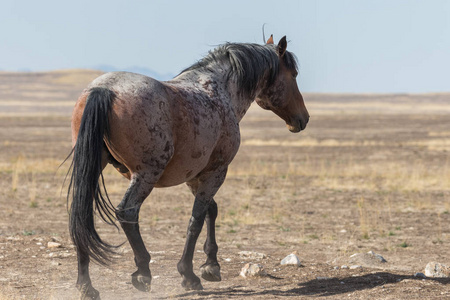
(210, 270)
(204, 187)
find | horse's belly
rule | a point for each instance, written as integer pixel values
(182, 169)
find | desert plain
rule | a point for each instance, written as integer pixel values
(370, 173)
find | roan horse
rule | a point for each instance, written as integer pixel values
(161, 134)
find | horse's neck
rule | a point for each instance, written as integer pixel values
(218, 87)
(239, 102)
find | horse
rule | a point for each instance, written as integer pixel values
(161, 134)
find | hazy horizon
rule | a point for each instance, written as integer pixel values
(348, 46)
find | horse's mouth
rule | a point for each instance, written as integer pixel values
(293, 129)
(296, 126)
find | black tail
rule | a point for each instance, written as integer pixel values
(86, 173)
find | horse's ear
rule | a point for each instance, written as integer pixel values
(282, 45)
(270, 40)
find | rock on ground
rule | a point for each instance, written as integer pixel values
(252, 270)
(369, 259)
(437, 270)
(252, 255)
(53, 245)
(291, 259)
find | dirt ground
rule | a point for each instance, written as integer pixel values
(370, 173)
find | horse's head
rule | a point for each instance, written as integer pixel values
(281, 94)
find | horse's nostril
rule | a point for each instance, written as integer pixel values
(303, 123)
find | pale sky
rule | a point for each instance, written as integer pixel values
(342, 45)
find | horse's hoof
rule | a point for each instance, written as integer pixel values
(211, 272)
(192, 285)
(87, 292)
(141, 282)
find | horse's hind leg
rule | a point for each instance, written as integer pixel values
(128, 216)
(84, 284)
(204, 188)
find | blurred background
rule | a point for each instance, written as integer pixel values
(373, 46)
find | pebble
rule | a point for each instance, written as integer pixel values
(322, 278)
(252, 270)
(437, 270)
(53, 245)
(252, 255)
(55, 263)
(420, 275)
(377, 256)
(291, 259)
(354, 267)
(344, 267)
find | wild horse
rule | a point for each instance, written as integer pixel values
(161, 134)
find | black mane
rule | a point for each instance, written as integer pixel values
(249, 63)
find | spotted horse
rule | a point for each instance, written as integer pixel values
(161, 134)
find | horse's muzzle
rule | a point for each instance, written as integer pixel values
(297, 125)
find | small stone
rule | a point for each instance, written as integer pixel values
(344, 267)
(252, 270)
(55, 263)
(57, 239)
(354, 267)
(420, 275)
(367, 259)
(53, 245)
(377, 256)
(336, 268)
(252, 255)
(322, 278)
(291, 259)
(343, 231)
(437, 270)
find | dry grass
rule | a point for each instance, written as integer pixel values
(365, 175)
(349, 174)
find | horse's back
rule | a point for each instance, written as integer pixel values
(128, 83)
(164, 125)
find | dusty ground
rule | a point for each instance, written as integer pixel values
(371, 172)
